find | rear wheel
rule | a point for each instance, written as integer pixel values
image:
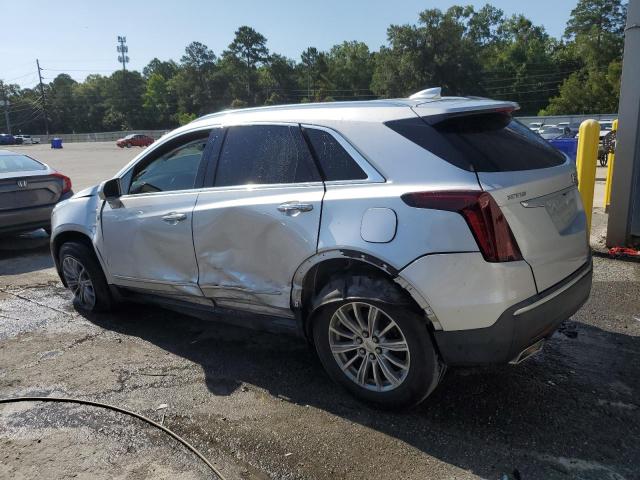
(84, 277)
(382, 353)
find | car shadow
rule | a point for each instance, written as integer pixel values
(24, 253)
(574, 402)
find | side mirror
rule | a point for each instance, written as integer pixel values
(110, 189)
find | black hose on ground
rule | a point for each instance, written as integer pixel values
(119, 410)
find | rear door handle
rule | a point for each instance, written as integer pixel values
(174, 217)
(293, 208)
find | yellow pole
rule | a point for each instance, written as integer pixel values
(610, 160)
(586, 159)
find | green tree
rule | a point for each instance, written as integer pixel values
(123, 100)
(167, 69)
(441, 50)
(313, 71)
(350, 67)
(277, 80)
(159, 102)
(595, 35)
(62, 104)
(245, 53)
(196, 85)
(89, 103)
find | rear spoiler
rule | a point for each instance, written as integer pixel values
(502, 107)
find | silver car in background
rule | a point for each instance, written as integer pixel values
(398, 236)
(29, 190)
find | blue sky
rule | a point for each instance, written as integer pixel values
(79, 37)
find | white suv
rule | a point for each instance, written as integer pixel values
(399, 236)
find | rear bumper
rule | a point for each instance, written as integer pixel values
(520, 326)
(28, 218)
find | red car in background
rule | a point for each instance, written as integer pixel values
(134, 140)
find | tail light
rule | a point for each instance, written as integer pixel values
(66, 181)
(485, 219)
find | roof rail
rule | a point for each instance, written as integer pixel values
(427, 93)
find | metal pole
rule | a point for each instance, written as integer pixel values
(44, 99)
(6, 109)
(624, 211)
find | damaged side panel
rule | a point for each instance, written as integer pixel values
(248, 245)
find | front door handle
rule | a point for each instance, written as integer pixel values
(294, 208)
(174, 217)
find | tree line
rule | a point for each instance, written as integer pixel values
(466, 51)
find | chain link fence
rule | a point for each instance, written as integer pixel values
(99, 136)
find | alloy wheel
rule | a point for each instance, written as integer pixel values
(369, 346)
(79, 282)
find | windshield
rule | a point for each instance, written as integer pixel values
(19, 163)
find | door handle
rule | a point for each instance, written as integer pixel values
(174, 217)
(293, 208)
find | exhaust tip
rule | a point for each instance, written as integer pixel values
(528, 352)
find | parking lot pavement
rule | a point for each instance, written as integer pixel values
(260, 406)
(86, 163)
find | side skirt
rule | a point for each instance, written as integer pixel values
(211, 312)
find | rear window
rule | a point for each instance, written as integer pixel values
(484, 142)
(19, 163)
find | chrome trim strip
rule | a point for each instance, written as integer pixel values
(215, 288)
(541, 201)
(552, 295)
(159, 282)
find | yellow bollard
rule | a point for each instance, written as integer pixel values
(611, 158)
(586, 159)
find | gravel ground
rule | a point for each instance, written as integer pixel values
(260, 406)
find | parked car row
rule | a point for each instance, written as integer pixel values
(8, 139)
(571, 130)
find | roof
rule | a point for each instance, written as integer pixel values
(377, 110)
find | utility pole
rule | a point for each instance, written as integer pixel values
(123, 49)
(6, 108)
(44, 99)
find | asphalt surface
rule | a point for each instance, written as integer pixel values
(260, 406)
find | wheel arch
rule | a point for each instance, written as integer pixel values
(315, 272)
(71, 236)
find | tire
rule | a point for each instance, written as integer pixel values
(422, 368)
(128, 145)
(77, 259)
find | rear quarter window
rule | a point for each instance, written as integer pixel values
(482, 142)
(335, 161)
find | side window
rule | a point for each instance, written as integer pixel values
(172, 168)
(264, 154)
(335, 161)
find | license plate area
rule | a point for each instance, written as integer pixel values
(562, 208)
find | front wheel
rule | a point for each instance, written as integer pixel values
(84, 277)
(381, 353)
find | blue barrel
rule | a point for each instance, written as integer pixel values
(56, 142)
(566, 145)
